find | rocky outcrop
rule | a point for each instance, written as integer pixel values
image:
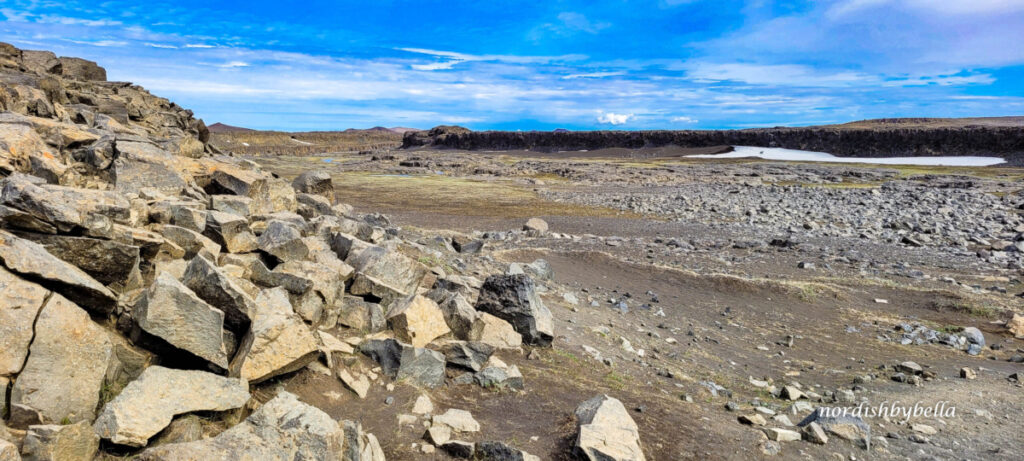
(838, 140)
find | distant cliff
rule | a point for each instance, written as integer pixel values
(859, 139)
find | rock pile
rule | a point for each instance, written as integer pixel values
(144, 277)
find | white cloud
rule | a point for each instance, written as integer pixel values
(684, 120)
(234, 64)
(162, 46)
(453, 58)
(774, 74)
(578, 22)
(943, 7)
(614, 119)
(198, 45)
(594, 75)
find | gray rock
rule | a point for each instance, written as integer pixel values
(9, 451)
(851, 428)
(72, 442)
(422, 367)
(147, 405)
(32, 261)
(498, 451)
(283, 429)
(170, 311)
(605, 432)
(210, 284)
(66, 365)
(458, 313)
(500, 377)
(385, 274)
(513, 298)
(191, 241)
(231, 204)
(230, 231)
(467, 354)
(354, 312)
(107, 261)
(974, 336)
(277, 343)
(535, 227)
(315, 182)
(282, 241)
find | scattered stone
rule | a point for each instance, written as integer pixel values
(605, 431)
(423, 405)
(360, 385)
(535, 227)
(458, 420)
(968, 373)
(20, 302)
(752, 420)
(419, 366)
(782, 435)
(459, 449)
(498, 451)
(813, 433)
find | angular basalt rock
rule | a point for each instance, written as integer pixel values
(214, 286)
(514, 298)
(417, 320)
(20, 302)
(283, 429)
(31, 260)
(605, 432)
(147, 405)
(172, 312)
(66, 366)
(277, 343)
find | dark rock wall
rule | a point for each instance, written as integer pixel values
(1006, 142)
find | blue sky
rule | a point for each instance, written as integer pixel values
(626, 64)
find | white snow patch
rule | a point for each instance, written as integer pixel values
(773, 153)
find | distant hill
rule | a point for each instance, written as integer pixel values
(222, 128)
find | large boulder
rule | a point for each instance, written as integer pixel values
(419, 366)
(514, 298)
(417, 320)
(20, 302)
(458, 313)
(315, 182)
(32, 261)
(277, 343)
(268, 194)
(384, 274)
(107, 261)
(173, 313)
(283, 429)
(55, 442)
(148, 404)
(214, 286)
(191, 241)
(67, 364)
(283, 241)
(605, 432)
(69, 210)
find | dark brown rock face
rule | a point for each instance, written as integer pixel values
(1002, 141)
